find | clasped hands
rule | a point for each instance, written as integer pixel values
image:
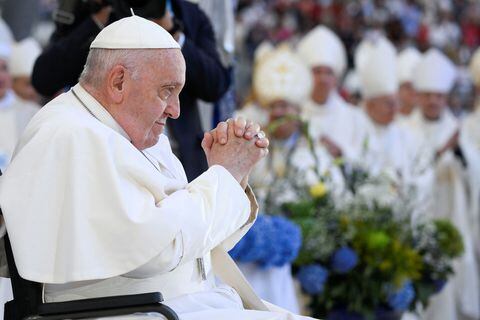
(237, 145)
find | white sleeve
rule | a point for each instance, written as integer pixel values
(192, 242)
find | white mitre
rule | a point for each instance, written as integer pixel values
(262, 49)
(351, 83)
(475, 67)
(434, 73)
(372, 42)
(406, 63)
(6, 39)
(134, 33)
(281, 75)
(322, 47)
(24, 54)
(378, 70)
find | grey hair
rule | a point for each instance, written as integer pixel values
(101, 61)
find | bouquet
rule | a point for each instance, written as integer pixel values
(361, 256)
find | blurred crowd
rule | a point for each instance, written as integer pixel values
(450, 25)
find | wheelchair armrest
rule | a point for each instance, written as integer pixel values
(99, 303)
(106, 306)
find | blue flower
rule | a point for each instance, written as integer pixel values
(252, 246)
(284, 240)
(312, 278)
(401, 299)
(438, 284)
(272, 241)
(344, 260)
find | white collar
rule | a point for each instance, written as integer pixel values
(97, 110)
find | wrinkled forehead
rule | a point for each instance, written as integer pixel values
(170, 61)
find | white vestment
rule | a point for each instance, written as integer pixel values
(387, 147)
(337, 120)
(470, 142)
(403, 119)
(97, 217)
(15, 113)
(288, 163)
(460, 297)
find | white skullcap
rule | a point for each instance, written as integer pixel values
(23, 57)
(378, 71)
(322, 47)
(281, 75)
(434, 73)
(134, 33)
(475, 67)
(351, 83)
(406, 62)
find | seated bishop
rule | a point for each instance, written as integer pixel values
(281, 83)
(385, 145)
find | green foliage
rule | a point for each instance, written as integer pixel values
(390, 251)
(449, 239)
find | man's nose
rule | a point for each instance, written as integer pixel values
(173, 109)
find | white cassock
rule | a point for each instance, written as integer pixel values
(274, 174)
(460, 297)
(15, 113)
(337, 120)
(470, 142)
(97, 217)
(388, 147)
(276, 284)
(403, 119)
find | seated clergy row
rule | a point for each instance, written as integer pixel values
(403, 126)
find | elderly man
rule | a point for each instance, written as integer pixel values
(437, 132)
(281, 82)
(332, 120)
(192, 29)
(118, 215)
(385, 145)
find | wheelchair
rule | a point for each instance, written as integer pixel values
(28, 304)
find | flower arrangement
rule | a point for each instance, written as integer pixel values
(365, 258)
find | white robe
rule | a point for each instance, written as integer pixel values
(103, 218)
(470, 142)
(15, 113)
(337, 120)
(386, 148)
(275, 284)
(460, 297)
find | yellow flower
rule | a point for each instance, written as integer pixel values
(318, 190)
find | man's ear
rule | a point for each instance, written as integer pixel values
(116, 83)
